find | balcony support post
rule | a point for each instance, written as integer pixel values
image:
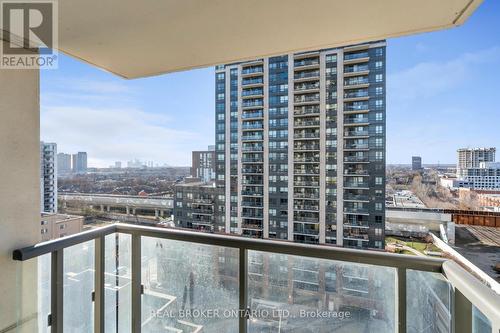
(56, 297)
(401, 272)
(99, 285)
(462, 313)
(243, 277)
(136, 284)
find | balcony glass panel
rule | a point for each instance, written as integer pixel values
(180, 279)
(290, 291)
(480, 323)
(44, 290)
(427, 302)
(117, 283)
(78, 278)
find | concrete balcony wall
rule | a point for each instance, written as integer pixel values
(19, 195)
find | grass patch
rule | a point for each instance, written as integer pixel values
(415, 244)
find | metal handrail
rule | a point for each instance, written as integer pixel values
(473, 290)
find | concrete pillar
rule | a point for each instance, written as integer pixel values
(156, 212)
(108, 208)
(161, 212)
(19, 196)
(128, 210)
(102, 208)
(133, 211)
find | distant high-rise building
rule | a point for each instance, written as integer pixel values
(416, 163)
(48, 177)
(135, 164)
(80, 162)
(63, 163)
(472, 157)
(203, 165)
(118, 164)
(300, 146)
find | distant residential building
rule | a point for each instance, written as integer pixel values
(416, 163)
(48, 177)
(196, 204)
(63, 163)
(135, 164)
(484, 177)
(118, 164)
(53, 226)
(203, 164)
(472, 157)
(80, 162)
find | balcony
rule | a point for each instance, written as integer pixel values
(351, 184)
(252, 103)
(89, 271)
(356, 197)
(356, 82)
(356, 159)
(356, 121)
(356, 133)
(252, 126)
(313, 62)
(306, 75)
(306, 110)
(251, 137)
(303, 99)
(252, 115)
(306, 123)
(248, 93)
(355, 210)
(252, 81)
(302, 87)
(306, 135)
(249, 71)
(252, 148)
(306, 195)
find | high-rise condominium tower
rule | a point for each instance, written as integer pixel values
(63, 163)
(48, 177)
(80, 162)
(300, 146)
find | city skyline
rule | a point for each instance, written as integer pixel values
(165, 118)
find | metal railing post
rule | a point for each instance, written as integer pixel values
(243, 262)
(136, 284)
(99, 285)
(401, 272)
(56, 297)
(462, 313)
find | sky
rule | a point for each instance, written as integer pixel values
(441, 95)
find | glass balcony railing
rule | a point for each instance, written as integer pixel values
(306, 110)
(252, 70)
(356, 81)
(361, 120)
(359, 55)
(249, 115)
(306, 62)
(306, 75)
(250, 81)
(131, 278)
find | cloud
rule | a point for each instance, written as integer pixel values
(429, 79)
(110, 135)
